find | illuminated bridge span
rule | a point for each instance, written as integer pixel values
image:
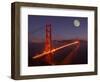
(48, 52)
(56, 49)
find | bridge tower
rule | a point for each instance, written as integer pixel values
(48, 43)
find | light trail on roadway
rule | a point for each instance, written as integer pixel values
(54, 50)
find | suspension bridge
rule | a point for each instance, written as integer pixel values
(49, 50)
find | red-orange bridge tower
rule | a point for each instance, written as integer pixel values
(48, 43)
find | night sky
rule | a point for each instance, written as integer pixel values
(63, 28)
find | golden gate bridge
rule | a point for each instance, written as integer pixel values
(49, 51)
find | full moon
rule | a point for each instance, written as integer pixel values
(76, 23)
